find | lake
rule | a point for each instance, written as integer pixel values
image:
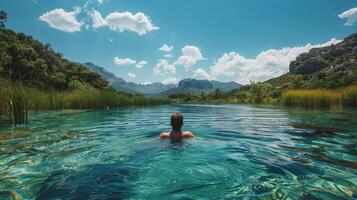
(240, 152)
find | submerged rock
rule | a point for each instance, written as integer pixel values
(12, 134)
(314, 131)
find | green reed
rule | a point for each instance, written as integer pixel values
(16, 100)
(349, 96)
(319, 98)
(13, 102)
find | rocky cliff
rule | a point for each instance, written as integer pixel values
(327, 67)
(337, 57)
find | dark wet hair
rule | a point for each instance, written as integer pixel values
(176, 121)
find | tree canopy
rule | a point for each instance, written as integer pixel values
(3, 18)
(25, 59)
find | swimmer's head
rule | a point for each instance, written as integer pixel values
(176, 121)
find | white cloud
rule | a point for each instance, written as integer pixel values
(141, 64)
(110, 39)
(169, 55)
(124, 61)
(268, 64)
(201, 74)
(170, 80)
(131, 75)
(121, 21)
(350, 16)
(100, 1)
(190, 56)
(163, 67)
(62, 20)
(166, 48)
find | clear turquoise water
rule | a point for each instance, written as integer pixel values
(241, 152)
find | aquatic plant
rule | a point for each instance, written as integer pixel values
(317, 98)
(16, 100)
(13, 102)
(349, 96)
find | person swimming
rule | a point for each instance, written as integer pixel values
(176, 133)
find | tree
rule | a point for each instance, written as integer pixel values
(3, 18)
(260, 91)
(242, 96)
(217, 94)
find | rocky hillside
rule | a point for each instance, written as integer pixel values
(110, 77)
(327, 67)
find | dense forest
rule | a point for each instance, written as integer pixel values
(24, 59)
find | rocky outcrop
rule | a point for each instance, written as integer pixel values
(193, 83)
(197, 87)
(307, 65)
(334, 56)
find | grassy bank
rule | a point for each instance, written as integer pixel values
(320, 98)
(16, 100)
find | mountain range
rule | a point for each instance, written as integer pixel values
(187, 85)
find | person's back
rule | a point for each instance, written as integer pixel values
(176, 123)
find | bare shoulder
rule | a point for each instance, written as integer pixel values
(187, 134)
(164, 135)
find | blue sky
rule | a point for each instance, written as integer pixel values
(239, 40)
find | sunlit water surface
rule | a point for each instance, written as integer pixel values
(241, 152)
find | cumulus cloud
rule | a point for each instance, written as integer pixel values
(201, 74)
(124, 21)
(62, 20)
(124, 61)
(350, 16)
(141, 64)
(268, 64)
(190, 56)
(166, 48)
(100, 1)
(131, 75)
(170, 80)
(163, 67)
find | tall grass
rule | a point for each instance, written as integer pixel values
(13, 102)
(320, 98)
(349, 96)
(16, 100)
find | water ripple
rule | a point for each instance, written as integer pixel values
(240, 152)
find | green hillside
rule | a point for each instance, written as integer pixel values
(35, 64)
